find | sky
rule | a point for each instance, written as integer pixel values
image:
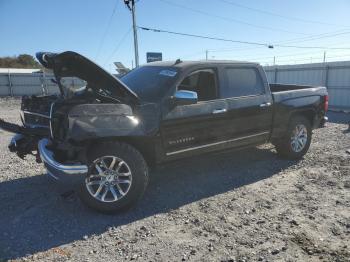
(101, 30)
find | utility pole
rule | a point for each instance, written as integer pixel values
(132, 7)
(274, 60)
(324, 57)
(206, 54)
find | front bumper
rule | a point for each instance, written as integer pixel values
(58, 170)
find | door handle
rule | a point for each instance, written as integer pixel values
(265, 104)
(219, 111)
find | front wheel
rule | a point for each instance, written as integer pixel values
(297, 140)
(117, 178)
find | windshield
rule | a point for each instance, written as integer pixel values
(150, 83)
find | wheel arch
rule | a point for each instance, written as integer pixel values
(146, 147)
(284, 145)
(309, 114)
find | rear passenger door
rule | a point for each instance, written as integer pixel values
(249, 105)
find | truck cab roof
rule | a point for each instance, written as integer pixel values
(152, 81)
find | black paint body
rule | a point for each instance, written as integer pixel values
(163, 131)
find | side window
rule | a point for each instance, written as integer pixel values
(203, 82)
(243, 82)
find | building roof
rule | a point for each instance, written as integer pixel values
(19, 70)
(308, 65)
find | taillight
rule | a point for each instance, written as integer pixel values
(326, 103)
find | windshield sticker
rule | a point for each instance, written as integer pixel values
(168, 73)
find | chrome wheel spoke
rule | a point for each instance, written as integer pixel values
(124, 174)
(115, 195)
(99, 169)
(99, 189)
(123, 181)
(105, 193)
(300, 143)
(103, 163)
(94, 182)
(120, 190)
(111, 166)
(121, 163)
(95, 176)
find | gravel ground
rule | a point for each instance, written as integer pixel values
(237, 206)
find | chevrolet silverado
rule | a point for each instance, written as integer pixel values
(104, 136)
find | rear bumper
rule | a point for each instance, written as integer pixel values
(319, 121)
(323, 121)
(58, 170)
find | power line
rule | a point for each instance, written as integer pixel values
(204, 37)
(291, 41)
(294, 40)
(106, 31)
(313, 47)
(315, 37)
(118, 45)
(305, 38)
(229, 18)
(278, 15)
(300, 39)
(241, 42)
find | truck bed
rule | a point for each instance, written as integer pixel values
(288, 87)
(293, 98)
(302, 93)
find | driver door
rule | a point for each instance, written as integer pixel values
(191, 129)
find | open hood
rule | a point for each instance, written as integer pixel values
(71, 64)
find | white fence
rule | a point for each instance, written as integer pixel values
(18, 84)
(334, 75)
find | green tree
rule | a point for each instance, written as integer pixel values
(20, 61)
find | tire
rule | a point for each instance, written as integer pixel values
(289, 147)
(124, 190)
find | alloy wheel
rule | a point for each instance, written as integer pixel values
(109, 179)
(299, 138)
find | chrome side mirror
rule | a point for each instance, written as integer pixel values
(185, 97)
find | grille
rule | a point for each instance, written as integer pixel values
(35, 120)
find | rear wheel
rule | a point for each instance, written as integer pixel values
(117, 178)
(297, 140)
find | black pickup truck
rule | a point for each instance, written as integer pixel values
(104, 136)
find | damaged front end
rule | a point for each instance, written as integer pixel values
(36, 125)
(34, 137)
(58, 129)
